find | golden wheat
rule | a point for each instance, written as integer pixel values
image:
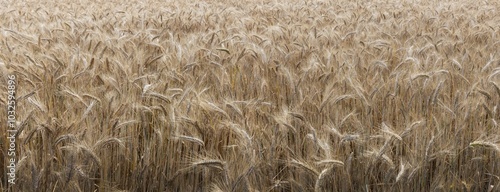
(270, 95)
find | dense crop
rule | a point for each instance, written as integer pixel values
(239, 95)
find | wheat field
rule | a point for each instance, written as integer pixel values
(242, 95)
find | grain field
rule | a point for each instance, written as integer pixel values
(252, 95)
